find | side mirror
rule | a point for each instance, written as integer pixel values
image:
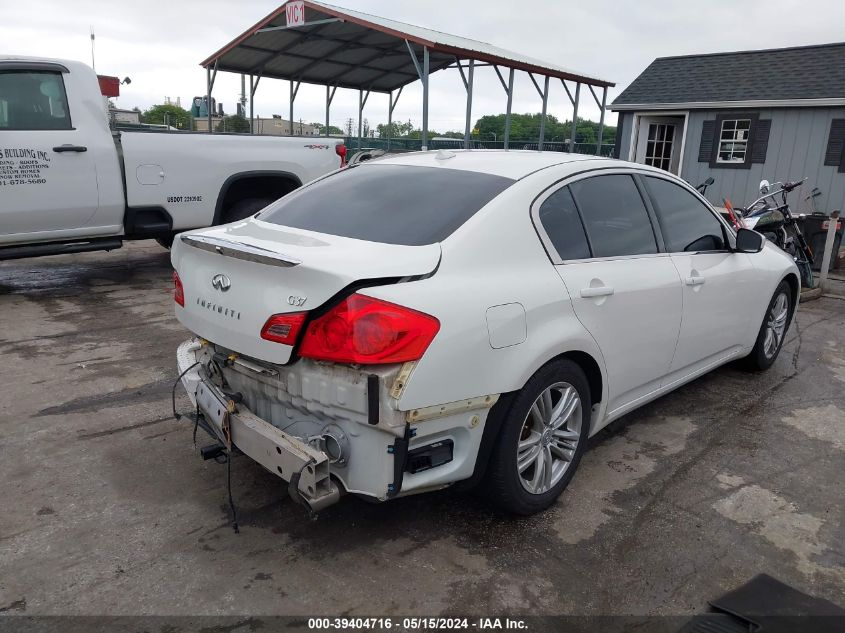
(748, 241)
(764, 187)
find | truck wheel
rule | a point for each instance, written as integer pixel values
(541, 440)
(245, 208)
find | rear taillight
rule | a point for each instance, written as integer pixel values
(283, 328)
(368, 331)
(178, 290)
(340, 150)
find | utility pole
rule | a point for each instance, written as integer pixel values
(93, 65)
(243, 95)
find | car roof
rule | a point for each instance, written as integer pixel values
(513, 164)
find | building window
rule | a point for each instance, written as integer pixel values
(733, 141)
(658, 150)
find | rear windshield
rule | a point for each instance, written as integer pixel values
(392, 204)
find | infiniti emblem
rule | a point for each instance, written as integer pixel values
(221, 282)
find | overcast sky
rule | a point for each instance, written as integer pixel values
(159, 45)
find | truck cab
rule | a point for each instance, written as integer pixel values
(69, 183)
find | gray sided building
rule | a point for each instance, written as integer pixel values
(742, 117)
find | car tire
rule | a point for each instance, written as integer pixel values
(166, 242)
(244, 208)
(529, 432)
(773, 329)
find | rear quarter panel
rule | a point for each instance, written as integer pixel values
(195, 166)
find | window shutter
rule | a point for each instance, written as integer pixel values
(705, 149)
(761, 141)
(835, 143)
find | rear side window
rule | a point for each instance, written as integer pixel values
(614, 215)
(31, 100)
(560, 220)
(687, 224)
(392, 204)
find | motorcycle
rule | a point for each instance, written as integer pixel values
(777, 223)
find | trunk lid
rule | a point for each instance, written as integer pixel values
(236, 276)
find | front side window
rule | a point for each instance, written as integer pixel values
(33, 100)
(391, 204)
(687, 224)
(561, 222)
(733, 141)
(614, 215)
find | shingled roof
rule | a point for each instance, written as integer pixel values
(799, 74)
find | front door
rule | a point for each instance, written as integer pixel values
(625, 293)
(659, 142)
(48, 180)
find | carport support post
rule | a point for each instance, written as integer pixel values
(208, 96)
(293, 91)
(329, 98)
(469, 103)
(360, 115)
(424, 146)
(601, 121)
(251, 108)
(253, 86)
(508, 111)
(391, 106)
(543, 116)
(575, 117)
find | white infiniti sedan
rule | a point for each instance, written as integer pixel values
(466, 316)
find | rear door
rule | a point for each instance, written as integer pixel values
(48, 179)
(719, 286)
(625, 292)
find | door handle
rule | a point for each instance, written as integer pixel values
(695, 281)
(600, 291)
(70, 148)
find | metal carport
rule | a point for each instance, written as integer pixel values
(311, 42)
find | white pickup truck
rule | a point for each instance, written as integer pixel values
(69, 183)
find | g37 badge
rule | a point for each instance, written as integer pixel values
(296, 301)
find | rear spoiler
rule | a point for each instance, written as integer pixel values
(239, 250)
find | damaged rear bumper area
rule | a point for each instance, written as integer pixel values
(327, 429)
(227, 419)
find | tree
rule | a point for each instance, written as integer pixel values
(321, 129)
(394, 130)
(233, 123)
(167, 114)
(527, 127)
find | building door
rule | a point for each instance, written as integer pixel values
(659, 142)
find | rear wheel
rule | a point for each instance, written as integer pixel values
(244, 208)
(772, 330)
(542, 440)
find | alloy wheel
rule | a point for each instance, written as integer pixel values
(549, 438)
(776, 325)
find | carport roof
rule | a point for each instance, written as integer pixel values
(350, 49)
